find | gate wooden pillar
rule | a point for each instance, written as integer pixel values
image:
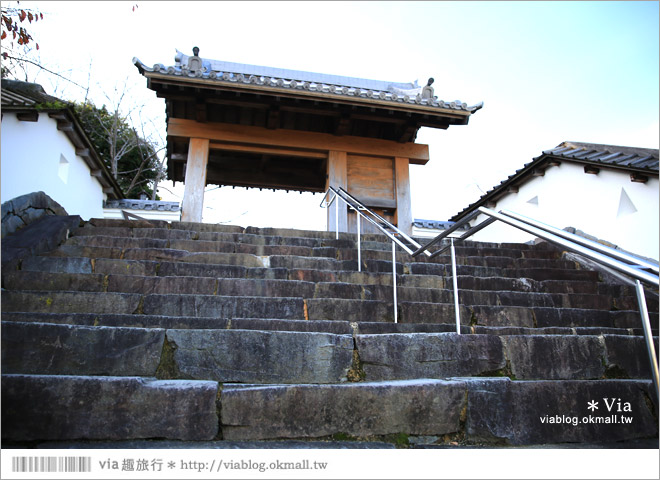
(337, 177)
(195, 183)
(403, 202)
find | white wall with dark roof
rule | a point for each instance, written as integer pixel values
(38, 157)
(606, 205)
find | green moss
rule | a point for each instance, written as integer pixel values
(356, 373)
(400, 440)
(167, 368)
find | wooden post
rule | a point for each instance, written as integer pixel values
(403, 201)
(193, 193)
(337, 177)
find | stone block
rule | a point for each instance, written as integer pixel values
(224, 307)
(349, 310)
(253, 356)
(414, 407)
(54, 407)
(42, 348)
(553, 412)
(429, 355)
(69, 302)
(161, 285)
(627, 356)
(555, 357)
(114, 266)
(57, 264)
(264, 288)
(27, 280)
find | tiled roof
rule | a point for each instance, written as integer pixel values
(278, 78)
(433, 224)
(150, 205)
(630, 159)
(23, 94)
(607, 155)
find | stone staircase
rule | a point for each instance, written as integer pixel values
(136, 330)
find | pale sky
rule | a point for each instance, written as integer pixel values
(546, 71)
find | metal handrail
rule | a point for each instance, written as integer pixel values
(379, 222)
(627, 264)
(622, 262)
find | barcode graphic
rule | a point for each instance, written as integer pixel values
(51, 464)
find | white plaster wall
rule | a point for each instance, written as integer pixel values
(567, 197)
(30, 161)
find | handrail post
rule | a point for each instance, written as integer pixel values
(394, 281)
(336, 218)
(455, 281)
(357, 214)
(648, 335)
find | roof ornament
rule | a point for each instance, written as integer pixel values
(427, 90)
(194, 62)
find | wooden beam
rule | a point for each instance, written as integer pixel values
(638, 177)
(224, 132)
(83, 152)
(273, 121)
(96, 173)
(337, 177)
(28, 116)
(403, 201)
(193, 193)
(590, 169)
(282, 152)
(65, 126)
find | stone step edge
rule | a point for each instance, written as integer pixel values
(458, 409)
(103, 284)
(321, 326)
(526, 285)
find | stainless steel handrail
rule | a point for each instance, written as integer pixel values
(379, 222)
(601, 254)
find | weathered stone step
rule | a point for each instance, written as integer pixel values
(82, 265)
(165, 268)
(487, 315)
(540, 274)
(62, 407)
(61, 349)
(338, 327)
(181, 322)
(198, 246)
(252, 356)
(208, 236)
(19, 280)
(153, 304)
(471, 410)
(522, 357)
(369, 328)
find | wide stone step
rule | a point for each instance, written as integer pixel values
(522, 357)
(62, 407)
(61, 349)
(488, 315)
(183, 322)
(480, 271)
(199, 246)
(470, 410)
(223, 355)
(153, 304)
(233, 237)
(338, 327)
(26, 280)
(252, 356)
